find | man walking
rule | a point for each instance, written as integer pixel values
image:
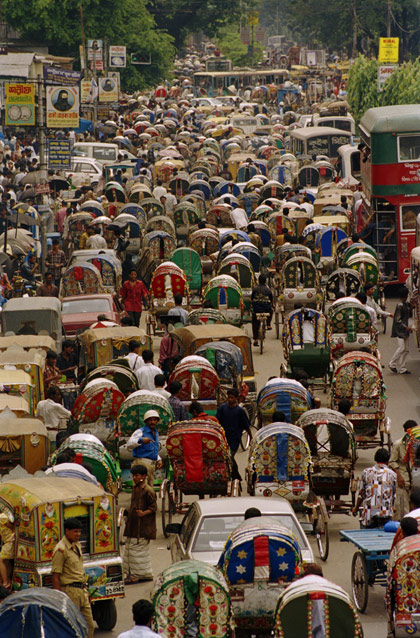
(399, 465)
(68, 572)
(262, 302)
(401, 331)
(140, 529)
(376, 493)
(133, 294)
(234, 420)
(55, 261)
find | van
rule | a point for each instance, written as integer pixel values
(342, 122)
(100, 151)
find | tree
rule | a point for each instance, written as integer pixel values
(126, 22)
(229, 43)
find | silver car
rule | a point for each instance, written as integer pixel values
(207, 524)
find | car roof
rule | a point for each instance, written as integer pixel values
(103, 295)
(237, 505)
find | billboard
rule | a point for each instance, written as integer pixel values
(62, 107)
(388, 50)
(117, 57)
(59, 154)
(95, 49)
(108, 89)
(20, 104)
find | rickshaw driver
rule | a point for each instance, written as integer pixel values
(68, 572)
(144, 443)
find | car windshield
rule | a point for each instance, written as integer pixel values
(76, 306)
(214, 530)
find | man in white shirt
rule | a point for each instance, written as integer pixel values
(362, 297)
(239, 218)
(160, 386)
(159, 190)
(143, 612)
(306, 205)
(170, 203)
(52, 413)
(95, 240)
(146, 374)
(135, 360)
(370, 291)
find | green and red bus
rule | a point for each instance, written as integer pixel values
(390, 176)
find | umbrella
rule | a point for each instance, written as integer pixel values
(21, 218)
(100, 220)
(169, 152)
(36, 177)
(130, 131)
(58, 183)
(111, 123)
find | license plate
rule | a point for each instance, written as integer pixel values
(114, 588)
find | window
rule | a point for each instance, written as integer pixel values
(409, 148)
(409, 216)
(85, 305)
(188, 526)
(108, 154)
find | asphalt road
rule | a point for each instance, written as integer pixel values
(402, 404)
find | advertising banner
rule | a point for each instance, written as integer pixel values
(20, 104)
(108, 90)
(388, 50)
(117, 57)
(95, 50)
(63, 107)
(61, 76)
(59, 155)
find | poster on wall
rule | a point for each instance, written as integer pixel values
(20, 104)
(63, 107)
(108, 90)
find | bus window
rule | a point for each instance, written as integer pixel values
(355, 165)
(408, 217)
(408, 148)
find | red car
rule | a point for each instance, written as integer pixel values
(78, 313)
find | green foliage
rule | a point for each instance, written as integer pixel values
(402, 87)
(126, 22)
(229, 43)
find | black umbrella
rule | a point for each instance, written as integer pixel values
(58, 183)
(21, 218)
(29, 193)
(35, 177)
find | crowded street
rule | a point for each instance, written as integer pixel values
(209, 326)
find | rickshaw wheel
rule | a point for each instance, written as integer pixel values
(359, 582)
(105, 614)
(322, 538)
(168, 507)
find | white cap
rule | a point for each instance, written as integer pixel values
(150, 414)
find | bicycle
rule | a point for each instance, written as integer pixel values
(262, 318)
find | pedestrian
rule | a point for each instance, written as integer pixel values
(167, 352)
(146, 374)
(399, 465)
(401, 331)
(144, 443)
(362, 297)
(51, 372)
(52, 412)
(135, 360)
(160, 386)
(7, 553)
(143, 612)
(67, 360)
(55, 261)
(178, 408)
(48, 288)
(376, 492)
(262, 302)
(134, 294)
(370, 291)
(140, 529)
(254, 238)
(234, 420)
(178, 309)
(68, 572)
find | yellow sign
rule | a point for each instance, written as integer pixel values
(20, 104)
(252, 19)
(388, 50)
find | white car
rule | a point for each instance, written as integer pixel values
(207, 524)
(84, 169)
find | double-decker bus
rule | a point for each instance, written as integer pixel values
(390, 175)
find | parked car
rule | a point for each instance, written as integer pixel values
(78, 313)
(208, 523)
(84, 169)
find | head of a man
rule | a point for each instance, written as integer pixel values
(151, 418)
(134, 346)
(48, 278)
(232, 397)
(174, 388)
(195, 408)
(72, 529)
(382, 455)
(143, 612)
(147, 356)
(132, 275)
(178, 299)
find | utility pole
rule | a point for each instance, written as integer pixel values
(388, 29)
(83, 46)
(354, 48)
(41, 125)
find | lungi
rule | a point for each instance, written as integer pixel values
(137, 562)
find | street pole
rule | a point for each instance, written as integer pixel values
(95, 77)
(41, 125)
(354, 50)
(388, 30)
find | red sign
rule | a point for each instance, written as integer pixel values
(391, 174)
(40, 189)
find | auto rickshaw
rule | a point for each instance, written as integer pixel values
(39, 507)
(102, 345)
(93, 452)
(314, 602)
(23, 441)
(189, 261)
(254, 574)
(331, 439)
(33, 315)
(305, 342)
(402, 598)
(358, 378)
(96, 408)
(45, 612)
(82, 278)
(167, 281)
(199, 381)
(286, 395)
(31, 361)
(225, 294)
(191, 338)
(279, 465)
(191, 598)
(350, 327)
